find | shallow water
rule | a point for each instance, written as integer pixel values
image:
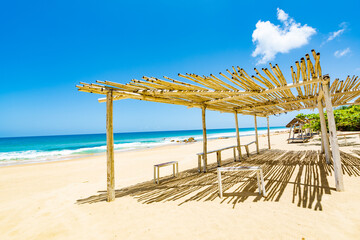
(48, 148)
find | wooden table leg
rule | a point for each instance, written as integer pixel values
(154, 174)
(174, 170)
(218, 156)
(220, 159)
(199, 163)
(258, 180)
(247, 150)
(158, 175)
(262, 183)
(177, 169)
(219, 183)
(234, 154)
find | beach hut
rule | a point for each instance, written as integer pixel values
(265, 93)
(297, 127)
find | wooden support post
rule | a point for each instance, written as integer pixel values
(237, 137)
(110, 147)
(203, 109)
(333, 137)
(294, 132)
(322, 145)
(290, 134)
(256, 135)
(324, 137)
(268, 131)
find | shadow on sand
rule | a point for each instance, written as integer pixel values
(305, 172)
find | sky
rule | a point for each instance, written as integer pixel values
(47, 47)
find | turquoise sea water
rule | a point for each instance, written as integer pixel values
(21, 150)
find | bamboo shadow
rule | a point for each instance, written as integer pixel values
(303, 173)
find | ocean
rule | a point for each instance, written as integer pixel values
(21, 150)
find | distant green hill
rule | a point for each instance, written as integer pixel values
(347, 118)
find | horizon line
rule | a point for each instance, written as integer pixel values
(57, 135)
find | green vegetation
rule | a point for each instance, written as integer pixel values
(347, 118)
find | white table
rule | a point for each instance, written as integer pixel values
(158, 166)
(259, 175)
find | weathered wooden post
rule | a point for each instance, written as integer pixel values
(237, 136)
(256, 135)
(294, 131)
(333, 136)
(290, 133)
(324, 137)
(268, 131)
(110, 147)
(203, 109)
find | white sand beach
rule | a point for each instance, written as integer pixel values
(66, 199)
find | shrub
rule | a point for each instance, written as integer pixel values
(347, 118)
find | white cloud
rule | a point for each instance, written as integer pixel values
(272, 39)
(281, 15)
(333, 35)
(341, 53)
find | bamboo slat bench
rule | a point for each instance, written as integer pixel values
(347, 134)
(218, 155)
(259, 176)
(298, 139)
(157, 167)
(247, 147)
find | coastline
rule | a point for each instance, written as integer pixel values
(5, 163)
(40, 201)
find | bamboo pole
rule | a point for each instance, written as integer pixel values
(333, 137)
(268, 131)
(294, 132)
(256, 135)
(110, 147)
(324, 137)
(290, 133)
(276, 89)
(203, 109)
(237, 137)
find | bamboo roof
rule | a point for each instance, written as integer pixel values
(297, 122)
(265, 93)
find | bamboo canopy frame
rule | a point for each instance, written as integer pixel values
(297, 122)
(235, 91)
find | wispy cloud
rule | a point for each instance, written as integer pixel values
(341, 53)
(271, 39)
(333, 35)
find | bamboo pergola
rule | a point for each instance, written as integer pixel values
(297, 122)
(235, 91)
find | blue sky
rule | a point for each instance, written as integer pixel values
(47, 47)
